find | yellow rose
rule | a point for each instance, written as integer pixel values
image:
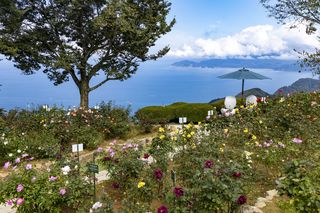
(174, 138)
(254, 137)
(241, 106)
(162, 137)
(245, 130)
(161, 129)
(141, 184)
(189, 136)
(236, 110)
(192, 133)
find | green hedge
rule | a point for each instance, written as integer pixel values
(155, 115)
(195, 112)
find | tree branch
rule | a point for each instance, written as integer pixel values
(74, 77)
(293, 7)
(103, 82)
(97, 67)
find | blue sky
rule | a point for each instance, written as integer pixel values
(229, 16)
(231, 28)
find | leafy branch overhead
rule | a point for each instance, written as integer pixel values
(82, 38)
(296, 12)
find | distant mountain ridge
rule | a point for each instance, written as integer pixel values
(254, 91)
(275, 64)
(301, 85)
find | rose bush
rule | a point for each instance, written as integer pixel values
(52, 189)
(41, 132)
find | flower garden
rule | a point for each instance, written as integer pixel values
(219, 165)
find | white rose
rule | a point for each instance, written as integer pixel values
(97, 205)
(65, 170)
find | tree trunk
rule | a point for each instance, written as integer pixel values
(84, 94)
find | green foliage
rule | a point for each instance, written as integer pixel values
(195, 112)
(38, 144)
(155, 115)
(47, 190)
(115, 120)
(124, 167)
(301, 184)
(164, 114)
(297, 12)
(177, 160)
(42, 132)
(286, 10)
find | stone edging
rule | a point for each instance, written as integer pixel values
(261, 202)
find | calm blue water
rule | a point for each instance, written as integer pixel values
(156, 83)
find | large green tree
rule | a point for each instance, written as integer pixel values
(296, 12)
(81, 39)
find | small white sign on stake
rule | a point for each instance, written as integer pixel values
(77, 147)
(182, 120)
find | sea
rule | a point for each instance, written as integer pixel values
(156, 83)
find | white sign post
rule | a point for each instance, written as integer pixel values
(77, 148)
(210, 113)
(182, 120)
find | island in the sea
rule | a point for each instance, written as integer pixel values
(275, 64)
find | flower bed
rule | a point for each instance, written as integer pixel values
(215, 166)
(43, 132)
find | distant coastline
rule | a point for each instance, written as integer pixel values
(275, 64)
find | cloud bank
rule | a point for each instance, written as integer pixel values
(262, 41)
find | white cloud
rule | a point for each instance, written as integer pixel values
(258, 41)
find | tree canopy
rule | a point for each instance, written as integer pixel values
(82, 38)
(295, 12)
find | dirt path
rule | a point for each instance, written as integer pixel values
(141, 139)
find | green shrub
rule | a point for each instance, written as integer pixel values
(114, 120)
(37, 144)
(41, 131)
(195, 178)
(30, 189)
(89, 137)
(195, 112)
(301, 184)
(152, 115)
